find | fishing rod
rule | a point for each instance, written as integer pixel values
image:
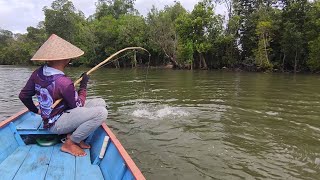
(101, 64)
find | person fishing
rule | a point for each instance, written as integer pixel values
(74, 115)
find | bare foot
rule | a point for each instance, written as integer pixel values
(82, 144)
(72, 148)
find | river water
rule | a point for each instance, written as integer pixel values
(203, 124)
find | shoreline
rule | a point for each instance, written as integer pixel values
(170, 67)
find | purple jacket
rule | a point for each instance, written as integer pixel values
(49, 85)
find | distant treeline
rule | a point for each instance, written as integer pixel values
(255, 35)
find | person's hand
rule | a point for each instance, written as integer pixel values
(84, 81)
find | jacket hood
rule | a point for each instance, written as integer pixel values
(47, 80)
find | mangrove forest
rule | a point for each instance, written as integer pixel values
(253, 35)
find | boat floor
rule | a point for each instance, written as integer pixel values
(35, 162)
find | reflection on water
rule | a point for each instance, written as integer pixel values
(204, 124)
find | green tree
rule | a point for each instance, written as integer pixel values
(262, 52)
(132, 32)
(19, 48)
(106, 33)
(246, 9)
(62, 19)
(186, 42)
(231, 52)
(68, 23)
(314, 56)
(163, 32)
(294, 42)
(261, 34)
(185, 53)
(5, 36)
(313, 29)
(16, 51)
(85, 39)
(225, 46)
(264, 32)
(36, 36)
(200, 28)
(114, 8)
(203, 22)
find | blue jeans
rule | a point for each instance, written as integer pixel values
(81, 121)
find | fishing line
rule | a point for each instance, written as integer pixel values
(145, 82)
(147, 73)
(114, 60)
(97, 66)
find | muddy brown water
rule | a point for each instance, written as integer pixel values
(203, 124)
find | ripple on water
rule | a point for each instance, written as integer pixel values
(271, 113)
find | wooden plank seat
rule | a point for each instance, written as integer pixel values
(35, 162)
(31, 125)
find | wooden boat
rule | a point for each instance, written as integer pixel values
(107, 159)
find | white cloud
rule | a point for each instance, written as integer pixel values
(144, 6)
(17, 15)
(88, 7)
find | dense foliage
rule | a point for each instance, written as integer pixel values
(263, 35)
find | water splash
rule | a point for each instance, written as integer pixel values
(171, 111)
(141, 113)
(271, 113)
(159, 111)
(317, 161)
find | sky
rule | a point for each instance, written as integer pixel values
(17, 15)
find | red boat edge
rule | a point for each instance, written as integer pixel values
(131, 165)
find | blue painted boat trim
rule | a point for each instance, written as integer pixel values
(16, 134)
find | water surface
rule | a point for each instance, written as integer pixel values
(203, 124)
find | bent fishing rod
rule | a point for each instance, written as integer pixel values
(100, 65)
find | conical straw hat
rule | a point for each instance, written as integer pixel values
(56, 48)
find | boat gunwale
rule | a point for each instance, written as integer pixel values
(124, 154)
(13, 117)
(130, 163)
